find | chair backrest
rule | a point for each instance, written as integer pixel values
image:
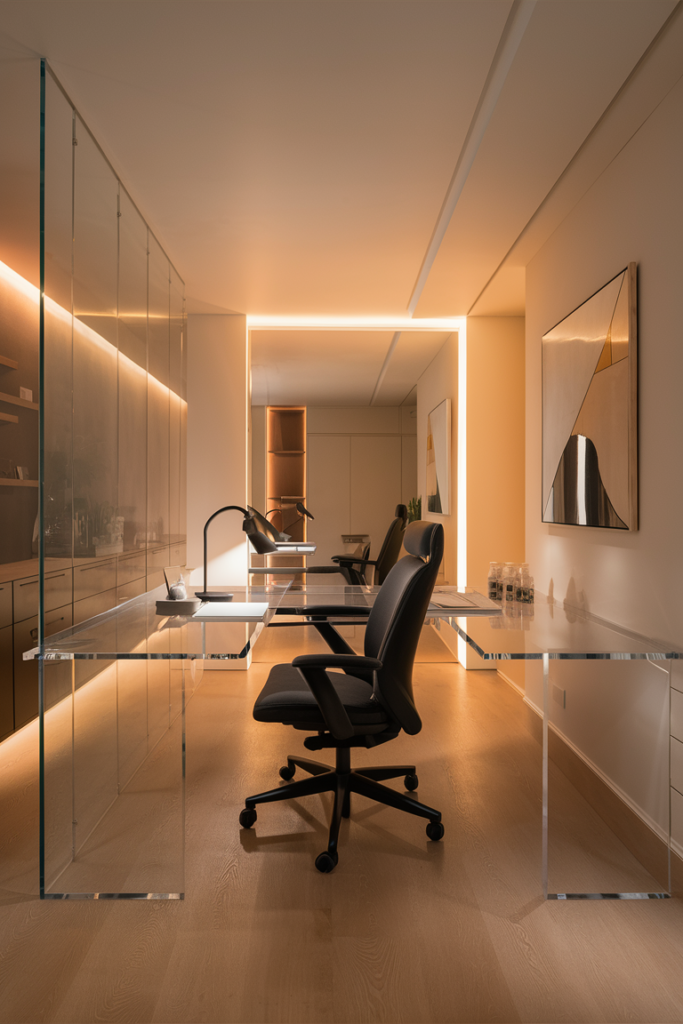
(391, 546)
(394, 624)
(263, 526)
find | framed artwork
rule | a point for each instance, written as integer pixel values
(590, 411)
(439, 458)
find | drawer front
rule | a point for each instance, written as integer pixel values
(155, 578)
(125, 591)
(177, 554)
(90, 606)
(6, 682)
(158, 558)
(94, 579)
(677, 765)
(5, 604)
(677, 817)
(677, 714)
(131, 567)
(57, 594)
(26, 672)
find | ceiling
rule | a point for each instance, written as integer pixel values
(354, 158)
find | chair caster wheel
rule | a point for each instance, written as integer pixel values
(326, 861)
(287, 772)
(411, 783)
(435, 830)
(247, 817)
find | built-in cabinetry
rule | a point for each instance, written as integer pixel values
(73, 593)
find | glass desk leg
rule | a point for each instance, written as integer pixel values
(112, 779)
(545, 794)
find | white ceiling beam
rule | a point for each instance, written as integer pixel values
(511, 37)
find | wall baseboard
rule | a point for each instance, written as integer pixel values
(642, 836)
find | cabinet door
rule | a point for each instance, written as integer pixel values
(375, 485)
(6, 683)
(26, 672)
(327, 495)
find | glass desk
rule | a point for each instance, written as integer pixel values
(112, 752)
(113, 692)
(546, 632)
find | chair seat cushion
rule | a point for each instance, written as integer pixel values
(286, 698)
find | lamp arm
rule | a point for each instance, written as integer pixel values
(226, 508)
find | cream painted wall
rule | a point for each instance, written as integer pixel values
(494, 453)
(495, 444)
(361, 462)
(257, 458)
(217, 444)
(617, 714)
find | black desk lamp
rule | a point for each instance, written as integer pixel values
(261, 544)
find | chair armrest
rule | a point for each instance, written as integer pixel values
(358, 661)
(350, 560)
(312, 668)
(320, 568)
(327, 611)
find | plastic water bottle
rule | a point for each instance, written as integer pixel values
(494, 581)
(509, 584)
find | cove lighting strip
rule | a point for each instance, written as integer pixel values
(355, 323)
(29, 291)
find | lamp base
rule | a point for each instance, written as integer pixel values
(213, 595)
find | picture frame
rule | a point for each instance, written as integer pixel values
(590, 411)
(438, 461)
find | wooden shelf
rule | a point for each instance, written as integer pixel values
(23, 402)
(12, 363)
(6, 417)
(17, 483)
(294, 451)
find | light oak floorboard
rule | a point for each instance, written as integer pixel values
(403, 930)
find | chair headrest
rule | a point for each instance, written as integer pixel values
(402, 512)
(418, 538)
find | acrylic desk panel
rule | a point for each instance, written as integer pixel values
(167, 649)
(546, 632)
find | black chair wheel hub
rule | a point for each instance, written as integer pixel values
(326, 861)
(435, 830)
(247, 817)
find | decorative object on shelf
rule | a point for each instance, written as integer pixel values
(414, 510)
(590, 411)
(23, 473)
(261, 544)
(7, 469)
(439, 458)
(177, 602)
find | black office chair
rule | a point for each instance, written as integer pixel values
(354, 568)
(367, 703)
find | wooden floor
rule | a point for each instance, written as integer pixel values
(403, 929)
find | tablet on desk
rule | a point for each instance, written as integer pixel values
(232, 611)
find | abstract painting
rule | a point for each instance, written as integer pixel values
(590, 411)
(439, 458)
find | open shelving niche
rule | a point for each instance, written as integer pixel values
(286, 474)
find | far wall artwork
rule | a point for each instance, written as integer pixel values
(439, 458)
(590, 411)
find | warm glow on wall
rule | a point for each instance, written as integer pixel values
(53, 309)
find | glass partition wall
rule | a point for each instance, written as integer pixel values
(111, 517)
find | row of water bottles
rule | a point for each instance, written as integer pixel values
(511, 583)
